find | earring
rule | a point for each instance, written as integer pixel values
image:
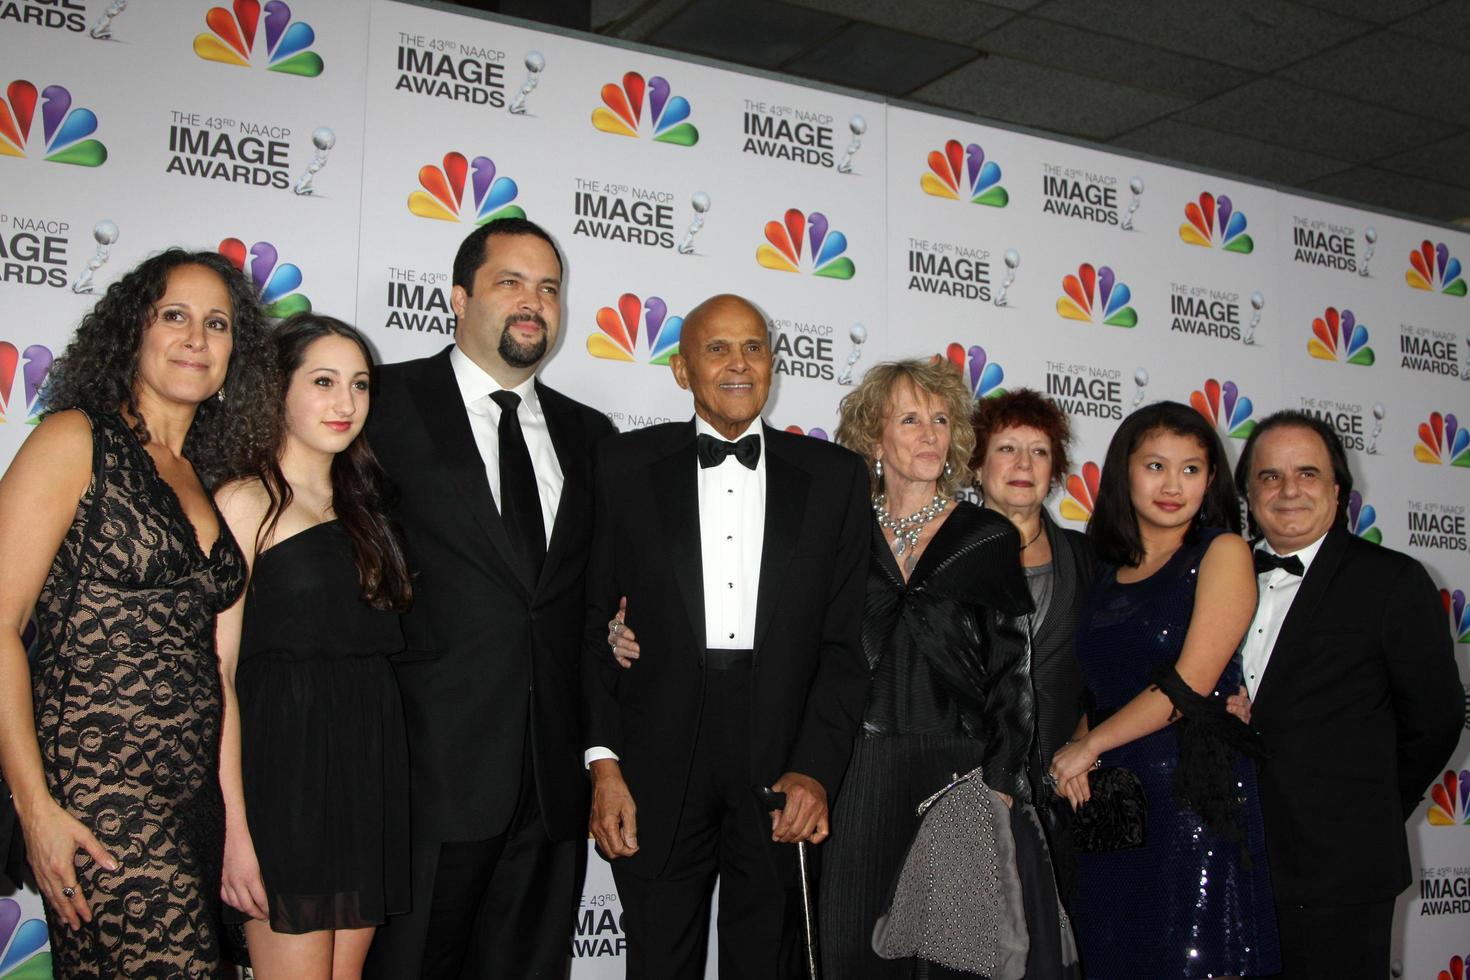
(878, 468)
(220, 394)
(948, 470)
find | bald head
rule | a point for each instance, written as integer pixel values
(724, 359)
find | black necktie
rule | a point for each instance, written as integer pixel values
(712, 451)
(520, 500)
(1265, 561)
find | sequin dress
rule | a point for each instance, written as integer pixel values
(126, 691)
(1187, 903)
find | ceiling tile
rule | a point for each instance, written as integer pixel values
(1447, 161)
(1047, 98)
(1447, 22)
(1317, 122)
(1374, 11)
(947, 20)
(1196, 146)
(1262, 35)
(1085, 53)
(762, 33)
(1392, 70)
(1397, 192)
(877, 59)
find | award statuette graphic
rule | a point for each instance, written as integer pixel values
(859, 336)
(106, 233)
(102, 30)
(323, 139)
(535, 64)
(1258, 302)
(1370, 236)
(1140, 378)
(1378, 413)
(1012, 259)
(700, 203)
(1136, 186)
(859, 126)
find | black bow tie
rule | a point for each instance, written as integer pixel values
(1265, 561)
(712, 451)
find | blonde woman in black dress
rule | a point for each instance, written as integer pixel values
(314, 764)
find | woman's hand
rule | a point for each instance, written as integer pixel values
(1069, 769)
(621, 638)
(240, 885)
(52, 840)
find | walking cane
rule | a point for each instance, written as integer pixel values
(771, 800)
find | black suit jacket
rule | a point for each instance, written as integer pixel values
(492, 657)
(809, 678)
(1360, 705)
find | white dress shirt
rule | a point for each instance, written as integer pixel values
(732, 534)
(476, 387)
(1276, 589)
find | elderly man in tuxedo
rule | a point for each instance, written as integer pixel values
(742, 553)
(1350, 668)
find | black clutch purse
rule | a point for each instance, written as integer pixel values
(1116, 817)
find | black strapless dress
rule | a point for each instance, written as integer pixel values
(324, 756)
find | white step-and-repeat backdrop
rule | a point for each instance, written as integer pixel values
(339, 151)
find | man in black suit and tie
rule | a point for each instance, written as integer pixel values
(1350, 668)
(493, 472)
(742, 552)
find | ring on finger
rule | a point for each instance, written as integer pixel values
(1097, 764)
(69, 892)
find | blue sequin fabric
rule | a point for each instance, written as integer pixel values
(1187, 903)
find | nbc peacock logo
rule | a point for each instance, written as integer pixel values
(232, 35)
(1225, 407)
(275, 281)
(1337, 335)
(1096, 293)
(442, 196)
(1081, 495)
(1455, 969)
(1448, 799)
(24, 947)
(982, 375)
(814, 433)
(1361, 518)
(32, 366)
(1213, 222)
(619, 337)
(621, 112)
(961, 171)
(1442, 440)
(1433, 268)
(1454, 607)
(799, 233)
(65, 130)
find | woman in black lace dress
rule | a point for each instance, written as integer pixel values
(945, 637)
(110, 744)
(315, 760)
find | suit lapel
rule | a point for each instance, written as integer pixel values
(448, 423)
(786, 491)
(1299, 617)
(676, 486)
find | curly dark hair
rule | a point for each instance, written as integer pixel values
(1023, 407)
(98, 372)
(359, 497)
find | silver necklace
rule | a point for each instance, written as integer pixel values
(906, 530)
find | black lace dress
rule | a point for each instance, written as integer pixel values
(127, 698)
(951, 690)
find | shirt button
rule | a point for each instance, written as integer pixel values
(732, 636)
(730, 584)
(1261, 630)
(729, 537)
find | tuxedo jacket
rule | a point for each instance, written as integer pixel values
(490, 671)
(809, 678)
(1360, 706)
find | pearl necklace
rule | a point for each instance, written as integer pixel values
(906, 530)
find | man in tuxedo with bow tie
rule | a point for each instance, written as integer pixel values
(742, 551)
(1351, 672)
(493, 473)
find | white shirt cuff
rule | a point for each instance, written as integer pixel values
(595, 753)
